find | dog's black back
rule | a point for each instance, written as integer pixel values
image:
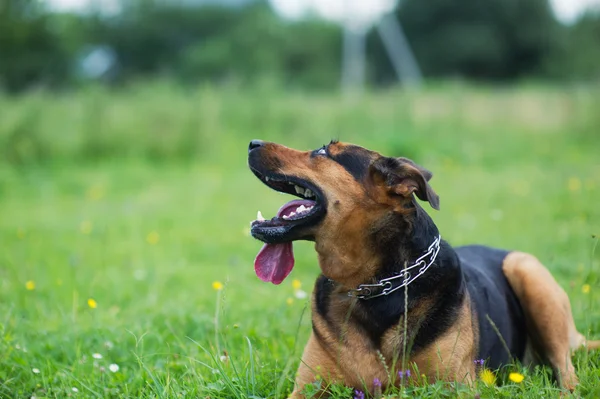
(492, 296)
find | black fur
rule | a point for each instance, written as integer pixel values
(475, 270)
(492, 295)
(355, 160)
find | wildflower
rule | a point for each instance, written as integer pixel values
(487, 377)
(97, 356)
(479, 362)
(92, 303)
(74, 389)
(152, 238)
(113, 367)
(300, 294)
(404, 373)
(358, 394)
(377, 388)
(289, 301)
(516, 377)
(108, 345)
(585, 288)
(296, 284)
(217, 285)
(21, 234)
(574, 184)
(95, 192)
(86, 227)
(224, 357)
(30, 285)
(35, 371)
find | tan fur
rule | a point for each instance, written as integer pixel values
(548, 313)
(450, 357)
(347, 356)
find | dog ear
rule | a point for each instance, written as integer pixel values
(403, 177)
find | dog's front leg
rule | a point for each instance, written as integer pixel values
(316, 365)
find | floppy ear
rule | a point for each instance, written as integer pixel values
(403, 177)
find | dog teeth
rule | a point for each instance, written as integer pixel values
(308, 193)
(300, 190)
(286, 217)
(260, 217)
(266, 178)
(300, 210)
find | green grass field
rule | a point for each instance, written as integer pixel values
(119, 211)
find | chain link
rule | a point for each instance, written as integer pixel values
(365, 291)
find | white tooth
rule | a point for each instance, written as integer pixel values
(285, 217)
(259, 217)
(266, 178)
(299, 190)
(308, 193)
(301, 208)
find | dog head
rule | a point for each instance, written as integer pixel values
(351, 199)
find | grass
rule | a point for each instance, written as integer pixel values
(140, 200)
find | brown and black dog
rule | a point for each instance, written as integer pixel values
(393, 295)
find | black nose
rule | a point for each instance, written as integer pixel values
(255, 144)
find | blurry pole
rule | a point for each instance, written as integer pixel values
(353, 60)
(399, 51)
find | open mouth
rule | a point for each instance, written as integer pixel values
(293, 222)
(294, 217)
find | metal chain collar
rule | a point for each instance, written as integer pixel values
(365, 291)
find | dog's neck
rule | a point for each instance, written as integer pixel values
(397, 241)
(414, 236)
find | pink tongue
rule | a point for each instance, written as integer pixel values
(275, 262)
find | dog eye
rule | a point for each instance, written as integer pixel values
(321, 151)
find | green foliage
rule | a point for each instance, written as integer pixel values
(31, 52)
(161, 211)
(576, 55)
(495, 39)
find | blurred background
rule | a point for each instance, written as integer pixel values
(59, 44)
(125, 198)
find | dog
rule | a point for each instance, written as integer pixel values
(393, 296)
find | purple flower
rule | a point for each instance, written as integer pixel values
(479, 362)
(358, 394)
(377, 383)
(406, 373)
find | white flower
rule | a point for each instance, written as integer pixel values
(74, 389)
(35, 371)
(224, 358)
(113, 367)
(108, 345)
(300, 294)
(97, 356)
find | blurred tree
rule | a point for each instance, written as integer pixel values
(481, 39)
(30, 50)
(218, 43)
(576, 55)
